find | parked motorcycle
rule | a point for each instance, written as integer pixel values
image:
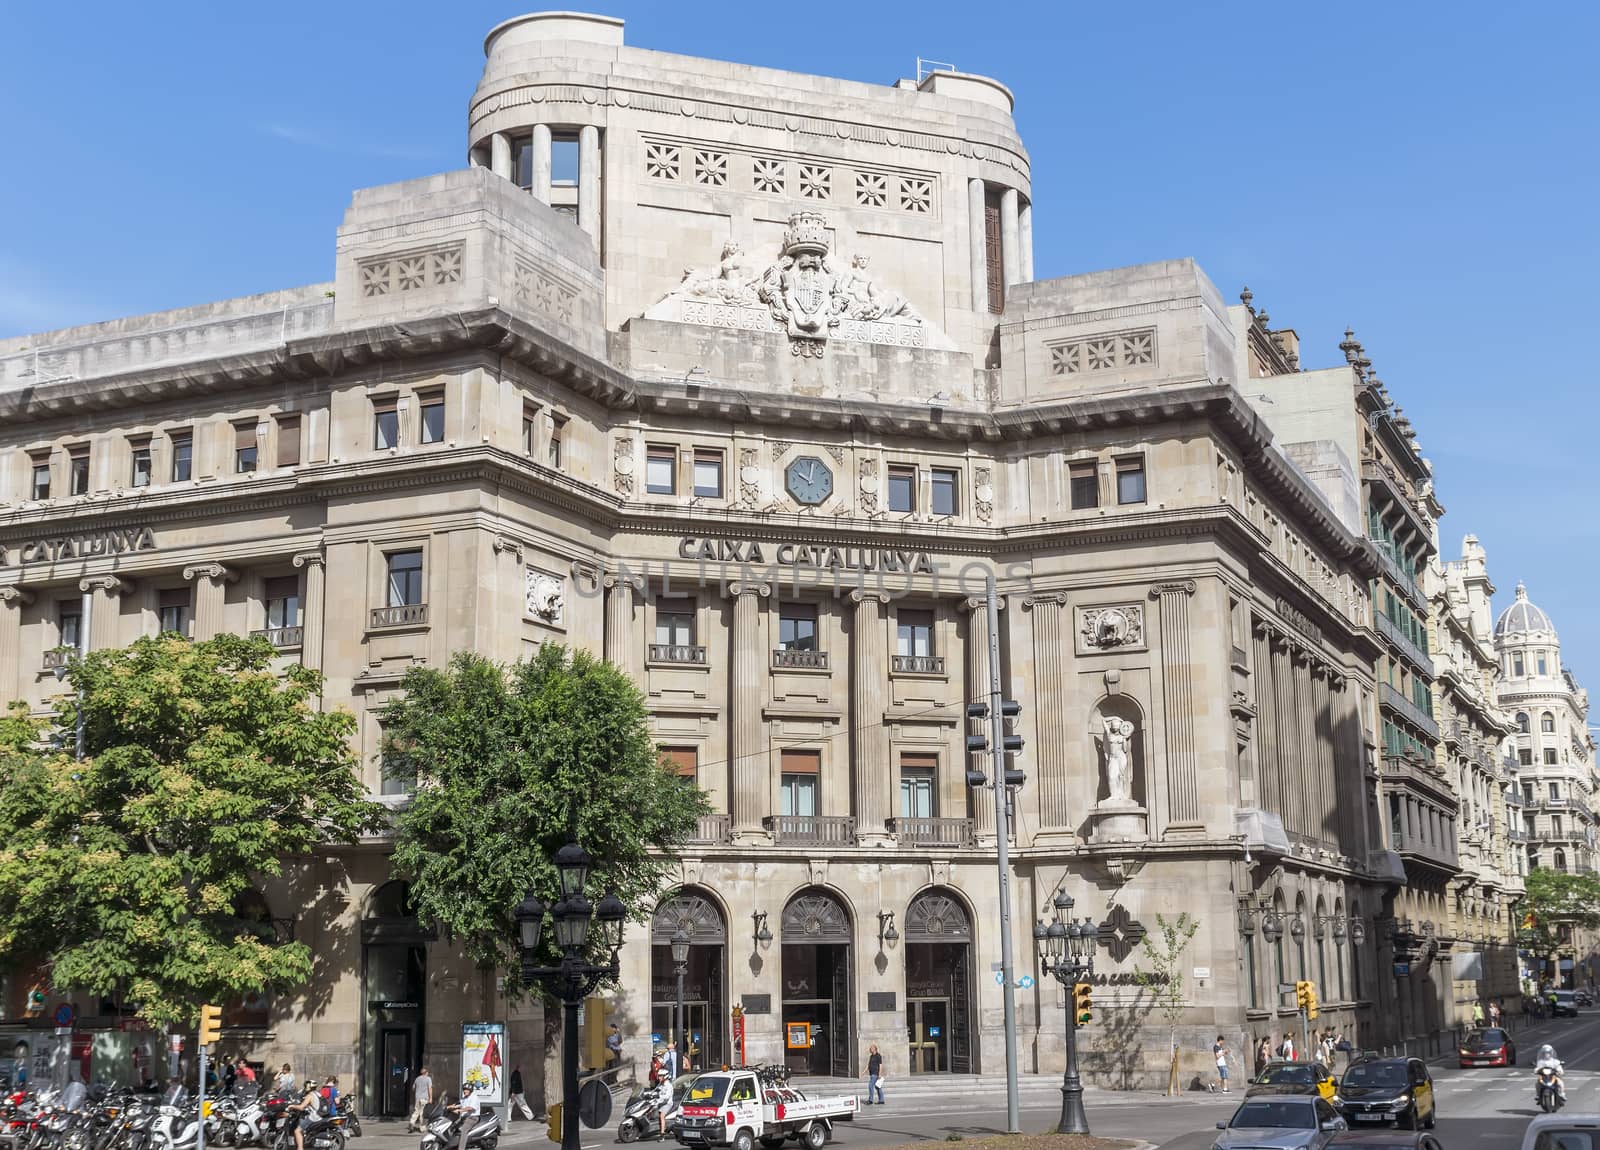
(1549, 1095)
(443, 1130)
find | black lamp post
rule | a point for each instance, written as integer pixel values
(680, 962)
(574, 977)
(1066, 952)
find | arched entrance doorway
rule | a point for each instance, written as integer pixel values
(394, 975)
(938, 942)
(817, 1031)
(705, 995)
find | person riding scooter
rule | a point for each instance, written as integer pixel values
(1549, 1061)
(661, 1099)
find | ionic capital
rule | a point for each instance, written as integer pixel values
(862, 595)
(1177, 587)
(749, 587)
(215, 571)
(111, 585)
(1049, 599)
(506, 543)
(17, 595)
(981, 603)
(310, 559)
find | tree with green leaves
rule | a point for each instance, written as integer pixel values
(205, 768)
(1164, 948)
(1555, 904)
(509, 764)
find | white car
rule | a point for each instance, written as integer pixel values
(1563, 1132)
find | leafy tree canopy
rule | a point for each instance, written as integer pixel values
(204, 768)
(511, 761)
(1556, 899)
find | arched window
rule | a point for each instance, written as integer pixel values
(1547, 723)
(1522, 722)
(1561, 861)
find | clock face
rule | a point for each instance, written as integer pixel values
(808, 480)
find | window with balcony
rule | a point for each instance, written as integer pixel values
(558, 429)
(404, 583)
(1084, 481)
(943, 491)
(1130, 479)
(173, 610)
(78, 469)
(902, 492)
(1556, 826)
(182, 456)
(707, 473)
(674, 623)
(797, 626)
(681, 761)
(69, 623)
(797, 782)
(40, 483)
(917, 796)
(385, 423)
(914, 634)
(288, 441)
(661, 470)
(1547, 721)
(431, 417)
(1549, 756)
(245, 448)
(1555, 790)
(282, 596)
(139, 472)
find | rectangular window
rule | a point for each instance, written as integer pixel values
(994, 265)
(1556, 826)
(798, 772)
(1550, 756)
(182, 456)
(530, 415)
(797, 626)
(674, 623)
(244, 448)
(400, 771)
(708, 473)
(288, 441)
(558, 427)
(1516, 665)
(1084, 479)
(1547, 724)
(282, 595)
(917, 799)
(139, 475)
(1525, 758)
(522, 161)
(432, 408)
(69, 623)
(1555, 790)
(41, 476)
(78, 458)
(914, 632)
(172, 610)
(661, 470)
(385, 423)
(902, 488)
(405, 578)
(1540, 659)
(943, 487)
(563, 160)
(681, 761)
(1130, 479)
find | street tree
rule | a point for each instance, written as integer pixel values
(1163, 948)
(205, 767)
(1555, 904)
(509, 764)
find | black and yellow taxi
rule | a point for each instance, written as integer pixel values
(1285, 1077)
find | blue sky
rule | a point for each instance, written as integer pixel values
(1423, 172)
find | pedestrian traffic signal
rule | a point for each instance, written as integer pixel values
(210, 1025)
(1082, 1004)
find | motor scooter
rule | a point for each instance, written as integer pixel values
(442, 1130)
(1549, 1095)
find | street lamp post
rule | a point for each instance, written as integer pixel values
(1066, 952)
(574, 977)
(680, 962)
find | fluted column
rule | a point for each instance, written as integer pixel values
(869, 668)
(1268, 791)
(12, 601)
(105, 624)
(1304, 741)
(1010, 237)
(752, 765)
(210, 597)
(312, 608)
(1177, 688)
(619, 622)
(1025, 240)
(1284, 721)
(1050, 644)
(978, 246)
(978, 688)
(589, 180)
(1328, 799)
(500, 155)
(540, 185)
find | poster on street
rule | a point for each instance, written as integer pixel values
(483, 1046)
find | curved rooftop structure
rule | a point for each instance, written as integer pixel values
(1521, 618)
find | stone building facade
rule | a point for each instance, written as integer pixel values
(770, 487)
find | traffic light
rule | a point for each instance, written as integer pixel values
(553, 1127)
(1011, 744)
(1311, 1000)
(35, 1001)
(210, 1025)
(1082, 1004)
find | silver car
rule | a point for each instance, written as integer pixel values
(1280, 1122)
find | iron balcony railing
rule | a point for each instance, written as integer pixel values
(687, 653)
(405, 615)
(1391, 631)
(827, 830)
(1419, 718)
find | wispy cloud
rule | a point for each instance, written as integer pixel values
(305, 138)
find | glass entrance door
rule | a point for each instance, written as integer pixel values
(928, 1035)
(703, 1048)
(395, 1045)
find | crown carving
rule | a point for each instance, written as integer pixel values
(807, 234)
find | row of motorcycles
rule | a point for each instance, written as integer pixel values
(100, 1118)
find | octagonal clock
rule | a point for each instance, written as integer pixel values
(808, 480)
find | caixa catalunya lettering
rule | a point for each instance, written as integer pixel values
(806, 555)
(89, 545)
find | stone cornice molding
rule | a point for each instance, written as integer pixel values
(112, 585)
(211, 571)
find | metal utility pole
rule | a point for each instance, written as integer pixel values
(1002, 838)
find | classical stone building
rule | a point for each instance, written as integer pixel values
(770, 486)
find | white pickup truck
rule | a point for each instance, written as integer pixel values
(737, 1108)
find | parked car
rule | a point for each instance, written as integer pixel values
(1490, 1046)
(1284, 1077)
(1384, 1140)
(1398, 1090)
(1545, 1132)
(1584, 997)
(1283, 1122)
(1563, 1004)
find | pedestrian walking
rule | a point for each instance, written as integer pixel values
(1495, 1013)
(247, 1073)
(284, 1082)
(613, 1046)
(1286, 1047)
(1219, 1051)
(421, 1099)
(874, 1074)
(1477, 1014)
(519, 1100)
(1263, 1055)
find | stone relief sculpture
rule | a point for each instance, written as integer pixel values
(1118, 733)
(1105, 628)
(546, 596)
(802, 294)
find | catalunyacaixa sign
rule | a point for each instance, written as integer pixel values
(821, 556)
(84, 545)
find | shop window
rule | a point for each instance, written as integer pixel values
(1084, 480)
(902, 489)
(661, 470)
(943, 489)
(405, 578)
(707, 473)
(1130, 479)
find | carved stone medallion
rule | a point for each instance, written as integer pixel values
(545, 596)
(1118, 627)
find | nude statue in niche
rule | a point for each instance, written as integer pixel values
(1118, 734)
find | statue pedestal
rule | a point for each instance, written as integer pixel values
(1118, 821)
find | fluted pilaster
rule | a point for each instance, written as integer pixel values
(12, 601)
(752, 766)
(1051, 642)
(869, 661)
(105, 624)
(312, 608)
(210, 597)
(619, 623)
(1177, 689)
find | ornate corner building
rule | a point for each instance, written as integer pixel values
(742, 378)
